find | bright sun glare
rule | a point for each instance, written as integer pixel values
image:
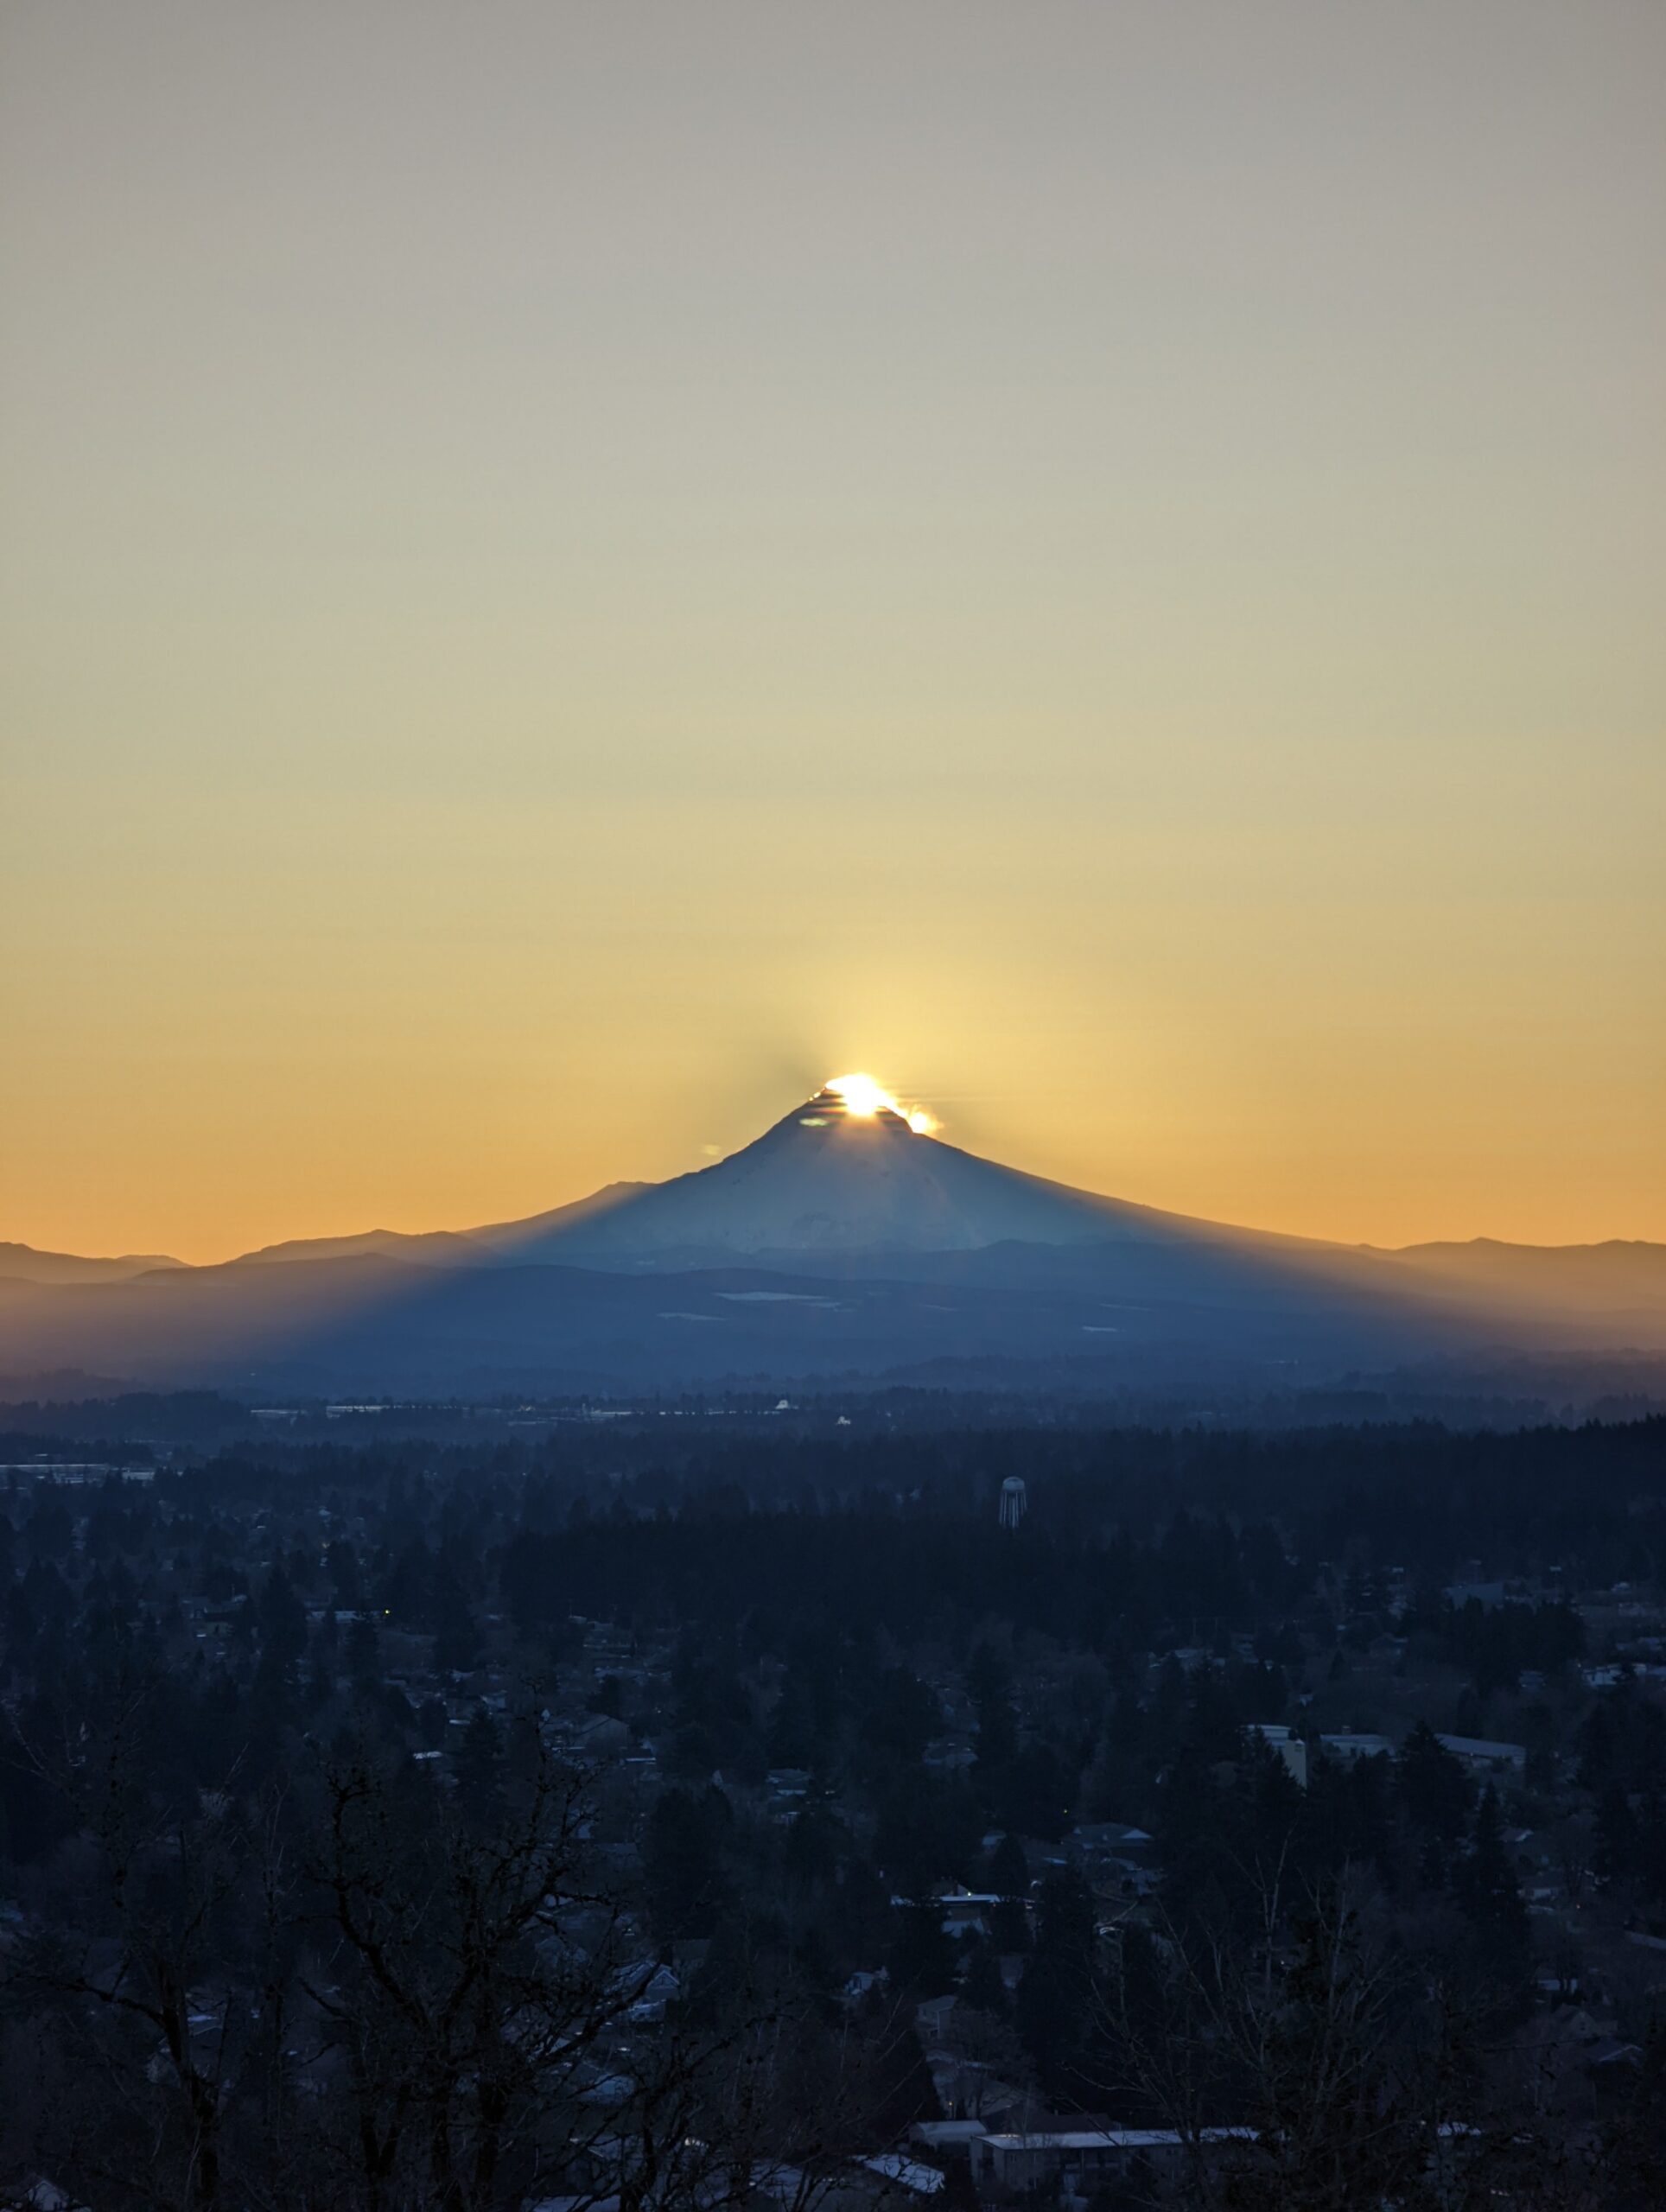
(861, 1095)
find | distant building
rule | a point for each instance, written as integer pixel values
(1483, 1757)
(1479, 1754)
(1352, 1747)
(1014, 1501)
(1291, 1749)
(1083, 2159)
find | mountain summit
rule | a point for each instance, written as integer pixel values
(849, 1171)
(849, 1239)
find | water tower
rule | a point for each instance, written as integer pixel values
(1014, 1500)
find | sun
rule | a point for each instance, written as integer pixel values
(861, 1095)
(865, 1098)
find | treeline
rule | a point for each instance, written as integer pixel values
(922, 1575)
(309, 1897)
(339, 1983)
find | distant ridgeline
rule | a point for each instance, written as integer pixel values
(847, 1241)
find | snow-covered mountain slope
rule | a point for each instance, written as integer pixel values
(825, 1181)
(840, 1241)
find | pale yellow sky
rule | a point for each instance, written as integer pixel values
(568, 571)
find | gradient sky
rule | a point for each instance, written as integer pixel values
(570, 570)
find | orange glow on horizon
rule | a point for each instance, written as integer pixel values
(558, 586)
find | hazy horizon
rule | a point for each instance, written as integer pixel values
(713, 1156)
(568, 572)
